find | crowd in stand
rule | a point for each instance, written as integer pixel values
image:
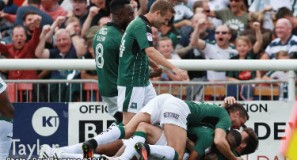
(200, 29)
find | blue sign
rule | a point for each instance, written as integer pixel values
(36, 124)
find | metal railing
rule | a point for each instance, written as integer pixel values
(190, 65)
(87, 90)
(53, 90)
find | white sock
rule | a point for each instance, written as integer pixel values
(5, 138)
(163, 152)
(129, 150)
(76, 148)
(110, 135)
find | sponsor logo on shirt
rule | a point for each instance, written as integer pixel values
(149, 36)
(171, 115)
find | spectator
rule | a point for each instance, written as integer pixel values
(183, 14)
(73, 24)
(219, 50)
(52, 8)
(20, 49)
(80, 10)
(55, 26)
(250, 32)
(68, 45)
(73, 21)
(284, 12)
(285, 40)
(186, 31)
(103, 6)
(88, 22)
(270, 6)
(265, 8)
(33, 6)
(28, 23)
(246, 51)
(280, 75)
(165, 47)
(236, 18)
(93, 12)
(5, 29)
(204, 7)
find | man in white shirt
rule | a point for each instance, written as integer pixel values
(219, 50)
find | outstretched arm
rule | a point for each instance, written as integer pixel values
(157, 57)
(33, 42)
(195, 39)
(77, 41)
(41, 51)
(57, 23)
(93, 11)
(259, 39)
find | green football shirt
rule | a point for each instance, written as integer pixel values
(203, 138)
(134, 63)
(206, 114)
(106, 44)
